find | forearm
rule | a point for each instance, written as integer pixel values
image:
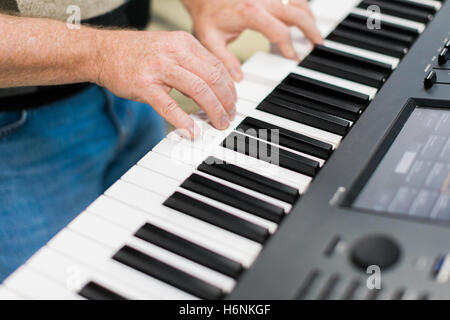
(45, 52)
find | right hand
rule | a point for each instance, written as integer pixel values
(146, 66)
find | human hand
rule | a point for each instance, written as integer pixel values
(219, 22)
(146, 66)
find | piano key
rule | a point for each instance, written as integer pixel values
(159, 163)
(399, 22)
(164, 165)
(249, 179)
(304, 115)
(334, 11)
(97, 256)
(149, 202)
(132, 219)
(270, 70)
(387, 32)
(189, 250)
(324, 91)
(249, 109)
(7, 294)
(255, 194)
(212, 145)
(252, 91)
(347, 66)
(288, 138)
(392, 61)
(320, 100)
(155, 268)
(115, 237)
(76, 276)
(207, 213)
(410, 11)
(94, 291)
(33, 285)
(252, 147)
(187, 152)
(436, 4)
(151, 181)
(208, 188)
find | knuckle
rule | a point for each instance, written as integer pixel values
(199, 87)
(169, 108)
(249, 6)
(183, 36)
(217, 73)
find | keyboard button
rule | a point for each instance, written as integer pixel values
(94, 291)
(166, 273)
(249, 179)
(287, 138)
(224, 194)
(222, 219)
(189, 250)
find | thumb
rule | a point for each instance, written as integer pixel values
(216, 43)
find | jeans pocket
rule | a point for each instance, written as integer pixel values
(11, 121)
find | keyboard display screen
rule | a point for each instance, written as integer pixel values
(413, 179)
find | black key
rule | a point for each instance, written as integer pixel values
(94, 291)
(288, 139)
(390, 39)
(248, 179)
(409, 11)
(234, 198)
(327, 92)
(304, 115)
(189, 250)
(195, 208)
(166, 273)
(361, 40)
(347, 66)
(254, 148)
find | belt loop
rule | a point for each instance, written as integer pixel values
(8, 129)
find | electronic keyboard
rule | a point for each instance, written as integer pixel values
(305, 196)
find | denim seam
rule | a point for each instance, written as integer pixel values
(7, 130)
(116, 122)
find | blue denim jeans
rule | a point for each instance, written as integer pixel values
(57, 159)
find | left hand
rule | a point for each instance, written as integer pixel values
(219, 22)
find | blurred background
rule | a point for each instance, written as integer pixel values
(171, 15)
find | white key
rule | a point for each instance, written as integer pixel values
(151, 202)
(7, 294)
(133, 219)
(186, 153)
(152, 181)
(431, 3)
(270, 69)
(99, 257)
(115, 237)
(33, 285)
(74, 275)
(392, 61)
(248, 108)
(159, 163)
(252, 90)
(332, 10)
(420, 27)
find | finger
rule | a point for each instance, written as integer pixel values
(275, 30)
(301, 19)
(160, 100)
(196, 88)
(205, 65)
(216, 43)
(303, 5)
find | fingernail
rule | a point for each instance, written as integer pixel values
(225, 121)
(236, 74)
(232, 113)
(194, 131)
